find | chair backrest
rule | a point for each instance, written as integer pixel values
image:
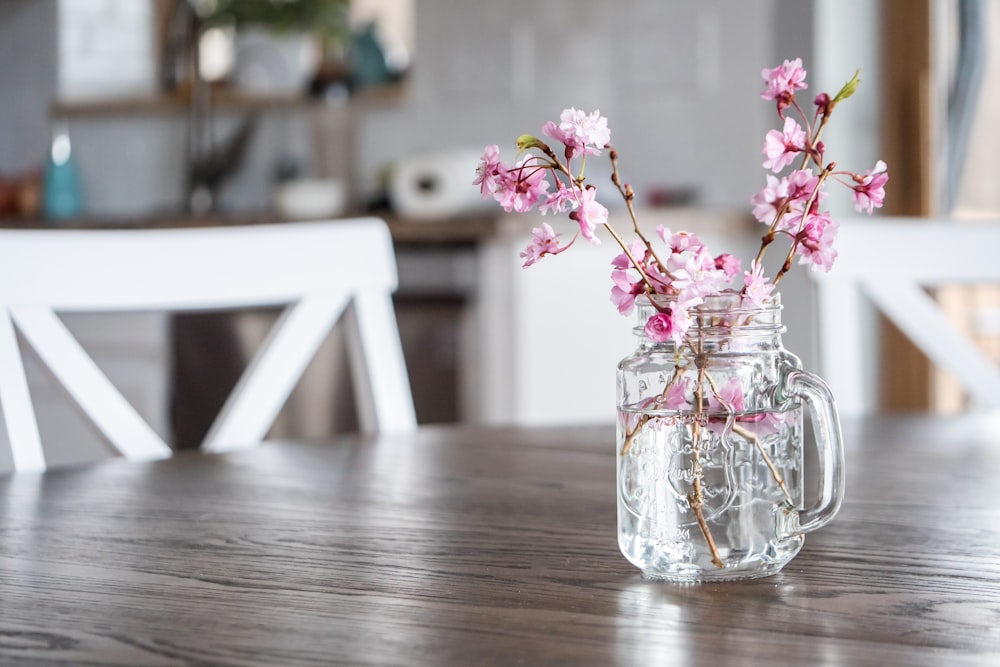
(891, 261)
(315, 270)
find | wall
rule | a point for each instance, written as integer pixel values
(678, 81)
(28, 80)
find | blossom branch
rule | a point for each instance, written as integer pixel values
(628, 195)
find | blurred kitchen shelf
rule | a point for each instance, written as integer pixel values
(224, 99)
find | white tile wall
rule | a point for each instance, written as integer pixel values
(678, 80)
(107, 48)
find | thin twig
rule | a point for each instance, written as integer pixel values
(750, 435)
(695, 497)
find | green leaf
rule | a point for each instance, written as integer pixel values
(849, 87)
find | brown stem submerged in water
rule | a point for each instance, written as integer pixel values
(695, 497)
(750, 435)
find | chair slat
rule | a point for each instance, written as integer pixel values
(378, 370)
(922, 320)
(114, 416)
(890, 261)
(273, 373)
(15, 400)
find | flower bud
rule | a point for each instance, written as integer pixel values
(526, 141)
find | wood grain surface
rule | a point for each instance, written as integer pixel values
(485, 547)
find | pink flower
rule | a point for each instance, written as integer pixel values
(781, 147)
(590, 214)
(729, 399)
(543, 242)
(756, 287)
(782, 82)
(816, 241)
(488, 171)
(695, 275)
(801, 185)
(728, 264)
(769, 201)
(660, 327)
(573, 146)
(520, 188)
(589, 131)
(637, 249)
(680, 241)
(870, 189)
(560, 201)
(660, 281)
(670, 324)
(627, 285)
(624, 291)
(677, 396)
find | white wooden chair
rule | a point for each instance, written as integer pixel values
(890, 261)
(315, 269)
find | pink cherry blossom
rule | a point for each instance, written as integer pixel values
(679, 242)
(816, 242)
(624, 291)
(678, 395)
(489, 171)
(637, 249)
(521, 187)
(782, 82)
(781, 147)
(756, 286)
(574, 147)
(562, 200)
(801, 185)
(590, 214)
(660, 327)
(769, 201)
(870, 189)
(588, 130)
(662, 282)
(544, 241)
(729, 399)
(728, 264)
(695, 274)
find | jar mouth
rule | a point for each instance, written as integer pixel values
(719, 315)
(727, 303)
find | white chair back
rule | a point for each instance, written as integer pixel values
(891, 261)
(314, 269)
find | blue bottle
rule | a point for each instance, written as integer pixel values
(62, 195)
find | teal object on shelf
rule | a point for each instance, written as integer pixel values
(63, 196)
(368, 66)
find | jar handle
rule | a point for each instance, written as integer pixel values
(826, 428)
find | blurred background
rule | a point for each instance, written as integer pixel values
(177, 112)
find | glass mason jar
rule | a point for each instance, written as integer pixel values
(710, 447)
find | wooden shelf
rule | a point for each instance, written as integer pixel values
(172, 103)
(222, 99)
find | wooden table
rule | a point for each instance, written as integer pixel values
(468, 547)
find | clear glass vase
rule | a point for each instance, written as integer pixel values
(710, 447)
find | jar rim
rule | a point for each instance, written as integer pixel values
(726, 302)
(720, 315)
